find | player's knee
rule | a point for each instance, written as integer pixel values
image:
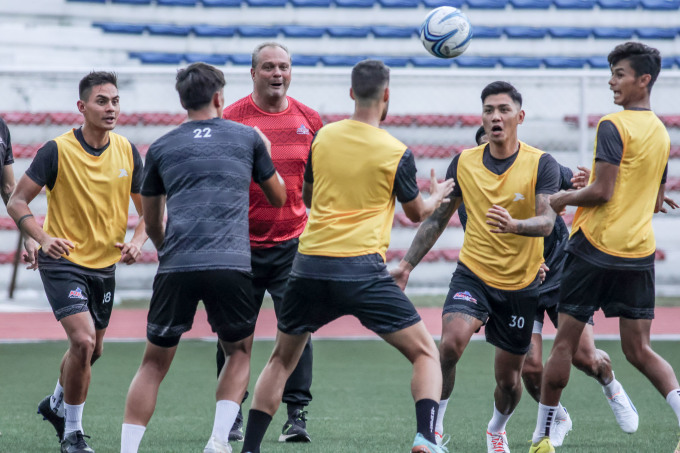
(450, 350)
(82, 347)
(635, 353)
(97, 353)
(510, 383)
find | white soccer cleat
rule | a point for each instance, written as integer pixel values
(497, 443)
(560, 429)
(441, 439)
(215, 446)
(624, 411)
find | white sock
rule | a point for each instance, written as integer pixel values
(131, 437)
(498, 421)
(561, 413)
(612, 388)
(544, 422)
(57, 400)
(225, 415)
(673, 399)
(74, 418)
(439, 426)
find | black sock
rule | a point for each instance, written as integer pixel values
(292, 408)
(257, 425)
(426, 417)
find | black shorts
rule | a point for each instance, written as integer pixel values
(619, 293)
(226, 294)
(378, 303)
(271, 268)
(508, 315)
(547, 304)
(71, 292)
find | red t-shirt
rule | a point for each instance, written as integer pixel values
(291, 133)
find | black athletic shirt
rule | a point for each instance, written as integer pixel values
(6, 156)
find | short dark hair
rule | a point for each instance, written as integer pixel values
(197, 83)
(93, 79)
(500, 87)
(478, 135)
(369, 77)
(643, 59)
(255, 58)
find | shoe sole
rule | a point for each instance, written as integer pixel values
(238, 438)
(301, 438)
(421, 449)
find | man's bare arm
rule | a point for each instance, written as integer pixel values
(429, 231)
(540, 225)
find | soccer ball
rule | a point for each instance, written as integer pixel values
(446, 32)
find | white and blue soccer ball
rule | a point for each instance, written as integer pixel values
(446, 32)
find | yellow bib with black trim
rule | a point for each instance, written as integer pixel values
(89, 202)
(503, 261)
(622, 226)
(354, 166)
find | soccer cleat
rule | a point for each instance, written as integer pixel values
(438, 438)
(295, 429)
(48, 414)
(74, 442)
(560, 429)
(677, 449)
(422, 445)
(236, 433)
(543, 446)
(215, 446)
(497, 443)
(624, 411)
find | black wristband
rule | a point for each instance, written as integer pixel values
(21, 220)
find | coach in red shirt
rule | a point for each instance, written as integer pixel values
(290, 126)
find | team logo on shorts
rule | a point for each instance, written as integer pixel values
(76, 294)
(466, 296)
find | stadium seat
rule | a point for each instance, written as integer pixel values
(256, 31)
(598, 62)
(64, 118)
(438, 3)
(169, 30)
(305, 60)
(486, 4)
(569, 32)
(158, 57)
(266, 3)
(399, 3)
(660, 4)
(564, 62)
(176, 2)
(341, 60)
(388, 31)
(515, 32)
(311, 3)
(355, 3)
(486, 32)
(520, 62)
(241, 59)
(213, 59)
(677, 60)
(476, 62)
(394, 62)
(131, 29)
(574, 4)
(431, 62)
(132, 2)
(613, 33)
(348, 32)
(531, 4)
(221, 3)
(302, 31)
(436, 151)
(87, 1)
(213, 31)
(618, 4)
(656, 33)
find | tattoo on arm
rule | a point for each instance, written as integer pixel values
(542, 224)
(429, 232)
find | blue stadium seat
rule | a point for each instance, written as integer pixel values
(169, 30)
(656, 33)
(574, 4)
(130, 29)
(387, 31)
(213, 31)
(349, 32)
(598, 62)
(394, 62)
(677, 60)
(355, 3)
(177, 2)
(531, 4)
(133, 2)
(87, 1)
(569, 32)
(476, 62)
(158, 57)
(341, 60)
(438, 3)
(487, 4)
(266, 3)
(486, 32)
(221, 3)
(213, 59)
(667, 63)
(564, 62)
(618, 4)
(520, 62)
(517, 32)
(305, 60)
(399, 3)
(431, 62)
(660, 4)
(241, 59)
(256, 31)
(613, 33)
(302, 31)
(311, 3)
